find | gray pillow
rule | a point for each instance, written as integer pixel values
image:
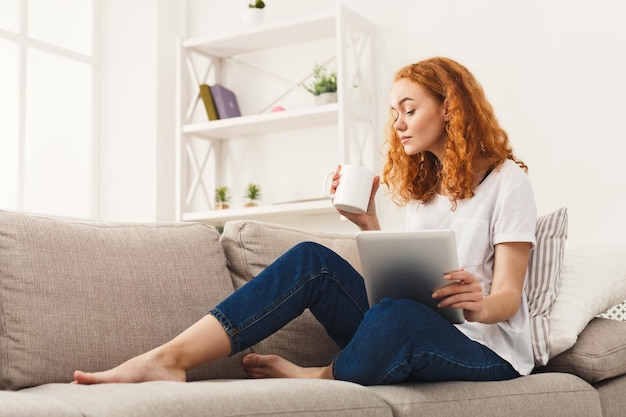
(78, 295)
(250, 247)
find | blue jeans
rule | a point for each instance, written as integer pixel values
(394, 341)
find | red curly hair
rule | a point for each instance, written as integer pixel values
(472, 133)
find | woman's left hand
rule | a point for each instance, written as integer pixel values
(464, 291)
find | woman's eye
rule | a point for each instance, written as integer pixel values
(410, 112)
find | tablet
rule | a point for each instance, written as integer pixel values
(408, 264)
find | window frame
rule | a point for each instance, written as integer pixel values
(26, 43)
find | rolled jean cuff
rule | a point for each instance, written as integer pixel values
(231, 331)
(332, 365)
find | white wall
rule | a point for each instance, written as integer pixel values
(128, 97)
(552, 69)
(137, 42)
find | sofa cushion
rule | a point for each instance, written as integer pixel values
(593, 279)
(599, 353)
(78, 295)
(250, 247)
(268, 397)
(612, 398)
(544, 271)
(545, 395)
(18, 404)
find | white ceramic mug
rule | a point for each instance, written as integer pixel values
(354, 189)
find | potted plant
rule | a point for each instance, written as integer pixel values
(254, 14)
(324, 85)
(222, 197)
(253, 194)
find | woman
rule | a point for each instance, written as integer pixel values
(451, 163)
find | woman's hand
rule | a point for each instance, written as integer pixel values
(367, 220)
(465, 292)
(505, 296)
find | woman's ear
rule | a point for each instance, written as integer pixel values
(446, 113)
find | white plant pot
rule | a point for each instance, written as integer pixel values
(252, 16)
(326, 98)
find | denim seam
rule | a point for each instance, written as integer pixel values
(438, 355)
(347, 291)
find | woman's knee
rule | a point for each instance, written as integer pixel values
(319, 255)
(308, 248)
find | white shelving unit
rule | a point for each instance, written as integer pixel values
(326, 114)
(200, 169)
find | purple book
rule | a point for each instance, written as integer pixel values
(225, 102)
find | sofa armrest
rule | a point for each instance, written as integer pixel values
(599, 352)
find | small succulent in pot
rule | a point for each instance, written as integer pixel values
(324, 81)
(253, 194)
(222, 197)
(254, 14)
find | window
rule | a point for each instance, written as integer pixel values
(47, 133)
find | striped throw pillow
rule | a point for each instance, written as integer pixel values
(543, 283)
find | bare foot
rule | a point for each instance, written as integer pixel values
(151, 366)
(273, 366)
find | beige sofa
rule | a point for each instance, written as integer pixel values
(88, 296)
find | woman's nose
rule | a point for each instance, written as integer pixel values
(399, 124)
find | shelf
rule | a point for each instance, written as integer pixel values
(352, 120)
(266, 37)
(282, 121)
(219, 217)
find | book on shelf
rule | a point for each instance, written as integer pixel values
(209, 104)
(225, 102)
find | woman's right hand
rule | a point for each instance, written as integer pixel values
(364, 221)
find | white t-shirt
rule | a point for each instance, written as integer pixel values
(502, 210)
